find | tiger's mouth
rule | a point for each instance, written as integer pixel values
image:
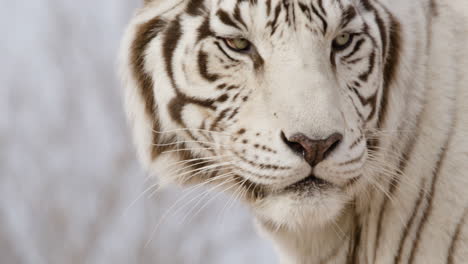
(311, 182)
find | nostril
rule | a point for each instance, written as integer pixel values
(294, 146)
(335, 141)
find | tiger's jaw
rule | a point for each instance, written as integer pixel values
(303, 204)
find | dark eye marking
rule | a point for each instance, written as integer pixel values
(240, 45)
(343, 41)
(224, 52)
(257, 59)
(356, 48)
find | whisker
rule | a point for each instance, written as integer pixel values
(188, 192)
(212, 158)
(233, 199)
(389, 172)
(188, 149)
(189, 141)
(191, 129)
(211, 199)
(390, 198)
(181, 168)
(156, 185)
(203, 169)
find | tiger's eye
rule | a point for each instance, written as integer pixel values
(238, 44)
(342, 41)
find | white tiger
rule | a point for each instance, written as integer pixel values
(343, 124)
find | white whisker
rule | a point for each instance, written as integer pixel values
(188, 149)
(187, 193)
(191, 129)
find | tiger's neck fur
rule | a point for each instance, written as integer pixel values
(421, 214)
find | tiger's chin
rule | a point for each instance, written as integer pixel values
(310, 202)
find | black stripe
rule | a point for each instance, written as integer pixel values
(383, 31)
(394, 185)
(275, 19)
(348, 16)
(175, 107)
(204, 30)
(324, 23)
(456, 238)
(409, 224)
(430, 203)
(173, 35)
(364, 76)
(224, 52)
(226, 19)
(392, 63)
(268, 7)
(353, 252)
(234, 113)
(320, 4)
(219, 118)
(195, 7)
(286, 8)
(145, 33)
(305, 9)
(238, 16)
(257, 60)
(355, 49)
(372, 100)
(203, 67)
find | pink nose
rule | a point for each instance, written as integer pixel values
(313, 151)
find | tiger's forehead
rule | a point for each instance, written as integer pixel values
(272, 6)
(318, 16)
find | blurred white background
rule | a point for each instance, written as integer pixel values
(67, 168)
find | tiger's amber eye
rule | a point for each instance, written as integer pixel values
(238, 44)
(342, 41)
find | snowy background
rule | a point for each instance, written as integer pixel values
(68, 174)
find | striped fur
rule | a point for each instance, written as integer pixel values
(394, 188)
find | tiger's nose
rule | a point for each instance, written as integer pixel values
(313, 151)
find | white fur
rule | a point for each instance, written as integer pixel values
(296, 93)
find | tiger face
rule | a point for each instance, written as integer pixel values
(271, 100)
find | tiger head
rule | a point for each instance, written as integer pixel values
(272, 100)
